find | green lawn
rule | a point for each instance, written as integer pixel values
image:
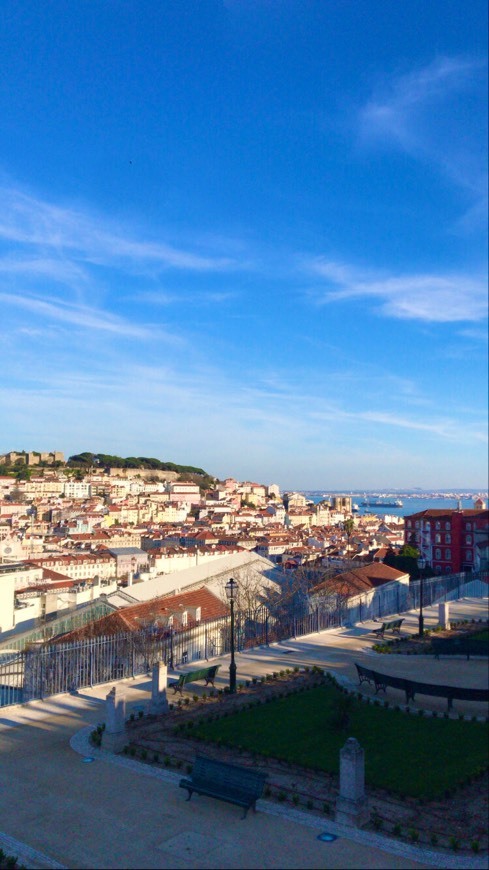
(412, 755)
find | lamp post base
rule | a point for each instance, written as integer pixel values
(232, 678)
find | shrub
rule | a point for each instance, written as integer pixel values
(326, 808)
(267, 791)
(186, 701)
(475, 846)
(295, 799)
(189, 768)
(454, 843)
(397, 830)
(144, 754)
(420, 712)
(413, 835)
(126, 750)
(132, 751)
(434, 839)
(281, 796)
(195, 698)
(310, 804)
(377, 821)
(140, 714)
(179, 763)
(166, 761)
(156, 758)
(132, 717)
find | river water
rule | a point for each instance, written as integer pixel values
(411, 503)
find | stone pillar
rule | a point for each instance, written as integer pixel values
(351, 804)
(114, 737)
(159, 701)
(444, 614)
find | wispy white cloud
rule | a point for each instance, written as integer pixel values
(79, 316)
(27, 220)
(422, 113)
(435, 298)
(205, 297)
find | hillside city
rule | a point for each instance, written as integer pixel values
(77, 535)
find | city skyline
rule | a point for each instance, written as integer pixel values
(248, 237)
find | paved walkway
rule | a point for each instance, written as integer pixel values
(57, 810)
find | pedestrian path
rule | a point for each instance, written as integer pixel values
(113, 811)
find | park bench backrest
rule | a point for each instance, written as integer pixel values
(202, 674)
(228, 778)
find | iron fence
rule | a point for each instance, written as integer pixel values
(42, 670)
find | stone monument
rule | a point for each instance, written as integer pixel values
(444, 614)
(159, 701)
(351, 804)
(114, 737)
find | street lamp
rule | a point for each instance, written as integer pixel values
(421, 566)
(231, 589)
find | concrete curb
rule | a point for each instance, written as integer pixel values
(27, 855)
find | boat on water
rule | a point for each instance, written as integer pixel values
(383, 504)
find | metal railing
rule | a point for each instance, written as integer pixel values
(43, 669)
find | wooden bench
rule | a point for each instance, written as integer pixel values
(227, 782)
(393, 625)
(412, 687)
(207, 674)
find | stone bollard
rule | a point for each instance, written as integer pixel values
(159, 701)
(352, 804)
(444, 614)
(114, 737)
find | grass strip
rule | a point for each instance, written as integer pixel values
(421, 757)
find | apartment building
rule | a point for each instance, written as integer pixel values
(450, 540)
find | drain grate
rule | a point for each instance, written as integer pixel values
(327, 838)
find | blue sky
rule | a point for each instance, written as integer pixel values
(248, 236)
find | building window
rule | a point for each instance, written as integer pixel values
(409, 524)
(437, 539)
(448, 539)
(437, 554)
(416, 525)
(438, 525)
(468, 539)
(468, 555)
(448, 554)
(447, 526)
(448, 570)
(468, 526)
(438, 569)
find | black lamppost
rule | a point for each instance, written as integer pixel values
(231, 588)
(421, 566)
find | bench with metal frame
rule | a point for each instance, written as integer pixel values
(412, 687)
(393, 625)
(227, 782)
(207, 674)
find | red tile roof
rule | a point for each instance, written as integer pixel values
(133, 617)
(360, 579)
